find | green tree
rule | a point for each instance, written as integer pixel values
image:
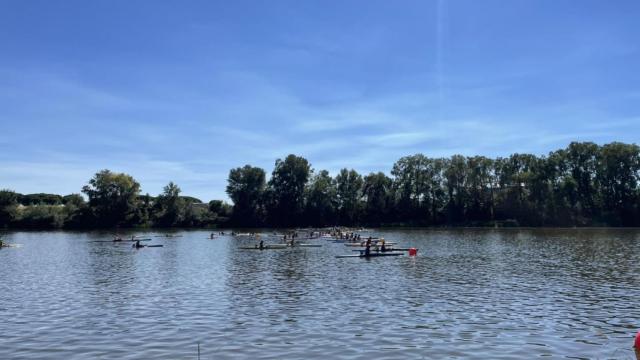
(582, 164)
(112, 198)
(75, 209)
(321, 200)
(8, 207)
(411, 186)
(41, 217)
(377, 194)
(73, 199)
(456, 183)
(287, 186)
(349, 190)
(170, 207)
(479, 180)
(220, 208)
(40, 199)
(246, 186)
(619, 166)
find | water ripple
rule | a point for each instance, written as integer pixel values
(498, 294)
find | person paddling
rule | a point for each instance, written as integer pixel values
(367, 249)
(382, 247)
(137, 244)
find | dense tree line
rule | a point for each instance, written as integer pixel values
(112, 200)
(582, 185)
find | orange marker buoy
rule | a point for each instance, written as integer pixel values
(413, 252)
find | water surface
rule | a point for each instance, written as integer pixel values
(498, 294)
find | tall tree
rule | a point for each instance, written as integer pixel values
(618, 178)
(377, 191)
(479, 178)
(8, 204)
(112, 198)
(170, 207)
(287, 183)
(321, 200)
(246, 186)
(582, 163)
(412, 187)
(456, 182)
(349, 188)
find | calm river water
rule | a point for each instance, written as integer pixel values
(490, 294)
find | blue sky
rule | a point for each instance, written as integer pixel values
(183, 91)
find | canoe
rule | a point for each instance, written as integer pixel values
(306, 245)
(147, 246)
(373, 254)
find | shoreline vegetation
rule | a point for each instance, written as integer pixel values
(583, 185)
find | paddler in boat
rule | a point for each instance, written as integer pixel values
(211, 236)
(367, 249)
(260, 244)
(137, 244)
(382, 247)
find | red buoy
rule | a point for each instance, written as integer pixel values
(414, 252)
(636, 344)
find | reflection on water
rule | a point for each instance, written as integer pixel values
(470, 293)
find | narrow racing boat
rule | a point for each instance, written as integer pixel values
(373, 254)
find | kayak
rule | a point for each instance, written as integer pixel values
(11, 245)
(347, 241)
(360, 244)
(266, 247)
(134, 239)
(123, 240)
(297, 238)
(387, 250)
(373, 254)
(147, 246)
(305, 245)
